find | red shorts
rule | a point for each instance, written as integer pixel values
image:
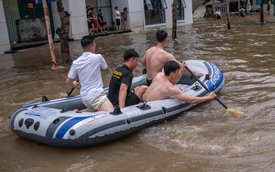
(94, 23)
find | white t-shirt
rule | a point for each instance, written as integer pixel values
(117, 14)
(87, 68)
(218, 13)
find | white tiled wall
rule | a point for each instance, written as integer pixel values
(4, 36)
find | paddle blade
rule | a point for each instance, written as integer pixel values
(235, 112)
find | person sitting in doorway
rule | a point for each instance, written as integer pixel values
(242, 12)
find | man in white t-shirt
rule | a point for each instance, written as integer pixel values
(218, 14)
(88, 69)
(118, 15)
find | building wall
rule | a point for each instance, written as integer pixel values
(136, 21)
(79, 26)
(11, 15)
(188, 17)
(78, 18)
(196, 3)
(4, 36)
(56, 18)
(135, 18)
(188, 12)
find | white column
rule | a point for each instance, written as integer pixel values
(78, 19)
(4, 36)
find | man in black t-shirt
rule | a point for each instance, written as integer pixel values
(121, 82)
(100, 21)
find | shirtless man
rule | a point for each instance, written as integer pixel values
(155, 57)
(163, 87)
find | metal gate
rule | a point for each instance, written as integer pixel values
(11, 14)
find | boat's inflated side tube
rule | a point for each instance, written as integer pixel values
(13, 116)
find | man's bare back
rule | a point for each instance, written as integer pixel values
(154, 60)
(155, 57)
(159, 91)
(163, 86)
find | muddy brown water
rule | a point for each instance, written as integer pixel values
(205, 138)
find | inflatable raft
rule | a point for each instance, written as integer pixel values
(53, 122)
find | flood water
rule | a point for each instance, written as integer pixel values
(205, 138)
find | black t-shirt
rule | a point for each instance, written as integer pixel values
(89, 16)
(100, 16)
(121, 75)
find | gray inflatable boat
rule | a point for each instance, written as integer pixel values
(53, 122)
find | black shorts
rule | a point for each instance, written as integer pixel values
(90, 25)
(149, 82)
(132, 99)
(117, 22)
(100, 23)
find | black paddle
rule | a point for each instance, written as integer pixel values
(69, 93)
(230, 110)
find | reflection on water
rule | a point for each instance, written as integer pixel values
(206, 138)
